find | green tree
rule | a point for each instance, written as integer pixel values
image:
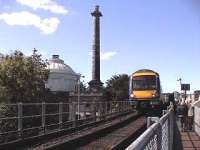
(22, 78)
(117, 88)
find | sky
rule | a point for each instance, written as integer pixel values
(162, 35)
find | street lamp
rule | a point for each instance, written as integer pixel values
(180, 81)
(79, 94)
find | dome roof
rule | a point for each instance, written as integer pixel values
(57, 65)
(61, 76)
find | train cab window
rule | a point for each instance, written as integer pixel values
(144, 82)
(158, 84)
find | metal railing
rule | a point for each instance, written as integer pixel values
(159, 134)
(22, 120)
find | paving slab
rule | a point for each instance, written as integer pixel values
(185, 140)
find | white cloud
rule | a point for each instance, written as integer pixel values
(105, 55)
(24, 18)
(49, 5)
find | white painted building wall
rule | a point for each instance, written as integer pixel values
(61, 77)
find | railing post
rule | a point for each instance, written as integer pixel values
(74, 114)
(151, 120)
(60, 115)
(122, 103)
(126, 106)
(43, 117)
(130, 107)
(123, 106)
(20, 119)
(106, 109)
(118, 105)
(171, 129)
(164, 112)
(111, 108)
(101, 110)
(94, 110)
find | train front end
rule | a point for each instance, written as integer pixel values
(144, 90)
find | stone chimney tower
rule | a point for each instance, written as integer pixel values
(96, 83)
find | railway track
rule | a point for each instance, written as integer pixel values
(116, 134)
(118, 139)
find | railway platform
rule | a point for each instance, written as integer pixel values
(165, 133)
(185, 140)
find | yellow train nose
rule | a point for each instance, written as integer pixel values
(144, 94)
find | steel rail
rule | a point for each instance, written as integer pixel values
(87, 136)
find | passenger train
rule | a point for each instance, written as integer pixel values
(145, 90)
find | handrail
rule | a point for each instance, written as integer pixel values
(47, 117)
(158, 136)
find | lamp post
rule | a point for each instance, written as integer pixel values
(79, 94)
(180, 81)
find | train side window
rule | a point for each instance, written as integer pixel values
(158, 84)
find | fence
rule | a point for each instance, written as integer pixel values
(23, 120)
(159, 135)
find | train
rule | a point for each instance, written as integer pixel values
(145, 90)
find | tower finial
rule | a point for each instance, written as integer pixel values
(96, 12)
(97, 7)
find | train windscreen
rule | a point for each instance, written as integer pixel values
(144, 82)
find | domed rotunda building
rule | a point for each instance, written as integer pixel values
(61, 77)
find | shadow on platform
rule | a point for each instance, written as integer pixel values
(177, 139)
(187, 140)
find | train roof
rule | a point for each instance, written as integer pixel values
(146, 71)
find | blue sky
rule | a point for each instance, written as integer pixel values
(163, 35)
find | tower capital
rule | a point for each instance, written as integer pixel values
(96, 12)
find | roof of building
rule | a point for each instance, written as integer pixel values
(57, 65)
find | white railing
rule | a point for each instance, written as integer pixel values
(159, 134)
(23, 120)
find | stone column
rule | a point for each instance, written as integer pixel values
(96, 82)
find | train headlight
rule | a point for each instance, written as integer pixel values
(154, 94)
(132, 95)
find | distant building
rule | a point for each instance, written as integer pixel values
(61, 77)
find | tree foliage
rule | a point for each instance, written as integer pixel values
(117, 88)
(22, 78)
